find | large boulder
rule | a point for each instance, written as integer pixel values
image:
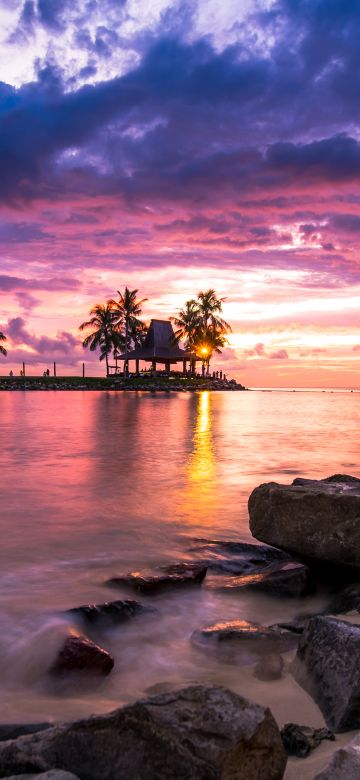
(194, 734)
(327, 666)
(344, 763)
(314, 519)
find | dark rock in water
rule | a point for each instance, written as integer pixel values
(14, 730)
(327, 666)
(258, 551)
(312, 519)
(301, 740)
(111, 613)
(287, 580)
(292, 580)
(80, 654)
(269, 668)
(344, 763)
(295, 626)
(240, 641)
(198, 733)
(347, 600)
(179, 575)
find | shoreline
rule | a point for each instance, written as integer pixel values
(149, 384)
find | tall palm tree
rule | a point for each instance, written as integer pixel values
(210, 307)
(126, 311)
(200, 325)
(3, 351)
(187, 323)
(104, 334)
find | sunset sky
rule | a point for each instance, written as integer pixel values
(177, 146)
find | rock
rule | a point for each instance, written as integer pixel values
(286, 580)
(344, 763)
(327, 666)
(14, 730)
(291, 580)
(178, 575)
(301, 740)
(347, 600)
(52, 774)
(109, 614)
(198, 733)
(269, 668)
(80, 654)
(314, 519)
(241, 641)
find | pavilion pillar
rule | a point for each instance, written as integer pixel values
(184, 367)
(193, 366)
(167, 366)
(154, 366)
(137, 366)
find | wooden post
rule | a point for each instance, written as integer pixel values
(54, 369)
(137, 364)
(83, 370)
(23, 369)
(154, 366)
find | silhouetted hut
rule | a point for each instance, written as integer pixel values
(160, 347)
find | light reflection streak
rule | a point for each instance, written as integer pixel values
(201, 465)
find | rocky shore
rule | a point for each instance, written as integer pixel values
(141, 383)
(206, 732)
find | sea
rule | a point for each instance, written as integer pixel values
(98, 484)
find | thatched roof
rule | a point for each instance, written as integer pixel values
(159, 345)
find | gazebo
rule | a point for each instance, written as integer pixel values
(160, 347)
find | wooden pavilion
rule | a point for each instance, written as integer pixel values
(160, 347)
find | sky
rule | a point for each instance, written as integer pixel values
(177, 146)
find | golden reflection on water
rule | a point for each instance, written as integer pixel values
(201, 464)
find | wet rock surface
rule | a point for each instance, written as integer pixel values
(327, 666)
(301, 740)
(344, 763)
(242, 641)
(347, 600)
(175, 576)
(198, 733)
(14, 730)
(286, 580)
(313, 519)
(111, 613)
(80, 654)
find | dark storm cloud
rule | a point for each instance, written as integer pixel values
(221, 113)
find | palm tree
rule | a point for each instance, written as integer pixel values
(104, 335)
(200, 325)
(126, 311)
(3, 351)
(187, 323)
(210, 306)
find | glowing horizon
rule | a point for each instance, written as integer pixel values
(174, 147)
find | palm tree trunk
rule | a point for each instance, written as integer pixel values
(126, 371)
(107, 364)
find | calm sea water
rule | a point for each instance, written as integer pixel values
(95, 484)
